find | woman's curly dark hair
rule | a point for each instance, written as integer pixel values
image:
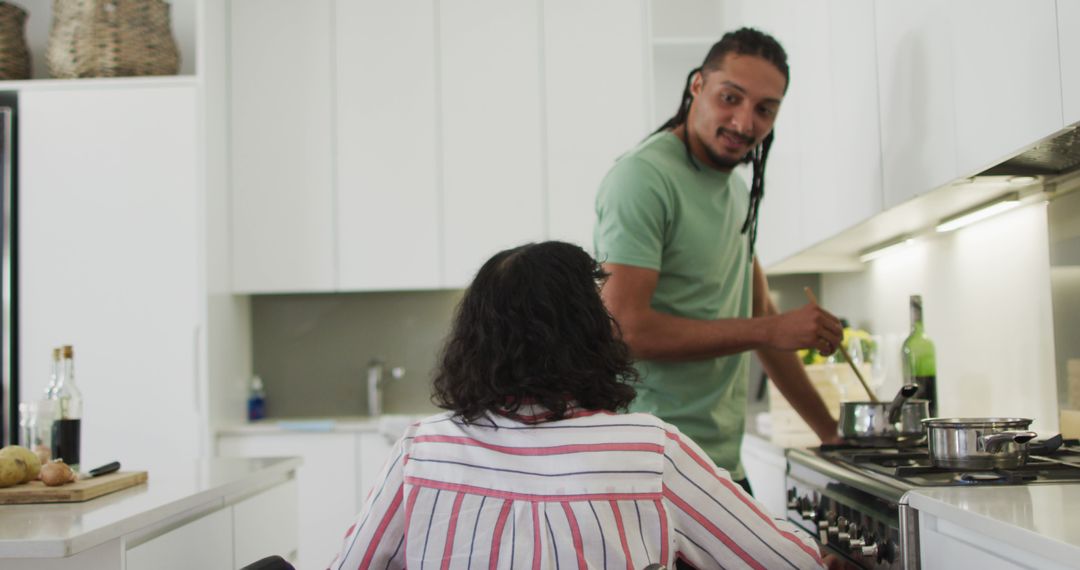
(532, 329)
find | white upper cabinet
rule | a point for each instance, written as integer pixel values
(915, 88)
(282, 145)
(841, 145)
(596, 108)
(388, 197)
(1068, 13)
(492, 146)
(1007, 78)
(110, 261)
(781, 218)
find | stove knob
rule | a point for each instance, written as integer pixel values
(870, 551)
(856, 544)
(792, 499)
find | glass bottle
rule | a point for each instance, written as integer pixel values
(46, 410)
(918, 358)
(67, 426)
(256, 403)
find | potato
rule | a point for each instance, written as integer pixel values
(13, 470)
(56, 473)
(33, 463)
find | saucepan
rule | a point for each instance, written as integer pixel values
(978, 443)
(885, 424)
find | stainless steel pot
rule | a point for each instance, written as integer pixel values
(878, 424)
(978, 443)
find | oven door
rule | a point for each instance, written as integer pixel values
(849, 521)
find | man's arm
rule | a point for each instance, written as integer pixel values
(658, 336)
(787, 372)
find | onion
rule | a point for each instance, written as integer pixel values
(56, 473)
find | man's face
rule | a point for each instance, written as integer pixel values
(734, 108)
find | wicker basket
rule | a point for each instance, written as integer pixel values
(14, 52)
(111, 38)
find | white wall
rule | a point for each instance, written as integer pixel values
(986, 297)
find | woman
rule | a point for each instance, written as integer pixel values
(532, 466)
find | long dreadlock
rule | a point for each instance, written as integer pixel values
(744, 41)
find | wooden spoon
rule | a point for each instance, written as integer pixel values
(843, 352)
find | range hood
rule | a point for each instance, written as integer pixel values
(1053, 163)
(1053, 157)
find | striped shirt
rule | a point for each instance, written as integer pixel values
(595, 490)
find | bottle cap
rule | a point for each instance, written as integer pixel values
(69, 352)
(256, 383)
(56, 353)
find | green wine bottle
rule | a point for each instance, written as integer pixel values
(920, 365)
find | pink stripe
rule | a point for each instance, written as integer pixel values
(348, 533)
(576, 533)
(737, 491)
(622, 535)
(488, 492)
(385, 522)
(663, 532)
(709, 526)
(448, 550)
(553, 450)
(496, 537)
(408, 514)
(536, 537)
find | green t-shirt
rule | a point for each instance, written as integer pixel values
(655, 210)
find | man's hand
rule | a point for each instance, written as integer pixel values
(809, 326)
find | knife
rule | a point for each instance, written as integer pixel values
(103, 470)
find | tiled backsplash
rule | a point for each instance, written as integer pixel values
(312, 351)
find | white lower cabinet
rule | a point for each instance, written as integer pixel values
(766, 468)
(945, 544)
(266, 524)
(372, 453)
(339, 470)
(204, 543)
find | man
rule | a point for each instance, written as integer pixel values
(675, 230)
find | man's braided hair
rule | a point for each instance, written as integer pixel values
(744, 41)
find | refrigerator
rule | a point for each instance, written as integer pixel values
(9, 397)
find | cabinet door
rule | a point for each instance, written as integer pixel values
(266, 524)
(282, 145)
(915, 88)
(841, 146)
(111, 261)
(326, 485)
(1008, 91)
(387, 149)
(372, 453)
(781, 218)
(595, 103)
(492, 155)
(203, 543)
(1068, 17)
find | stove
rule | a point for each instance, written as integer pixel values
(853, 499)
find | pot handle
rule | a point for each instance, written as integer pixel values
(993, 442)
(892, 411)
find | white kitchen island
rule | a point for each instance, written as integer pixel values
(212, 513)
(1024, 526)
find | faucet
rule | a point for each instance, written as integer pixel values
(375, 382)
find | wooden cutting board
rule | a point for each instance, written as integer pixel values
(83, 490)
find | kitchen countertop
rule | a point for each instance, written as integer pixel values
(1042, 519)
(391, 424)
(62, 529)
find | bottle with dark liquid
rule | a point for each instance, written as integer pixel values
(68, 423)
(917, 356)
